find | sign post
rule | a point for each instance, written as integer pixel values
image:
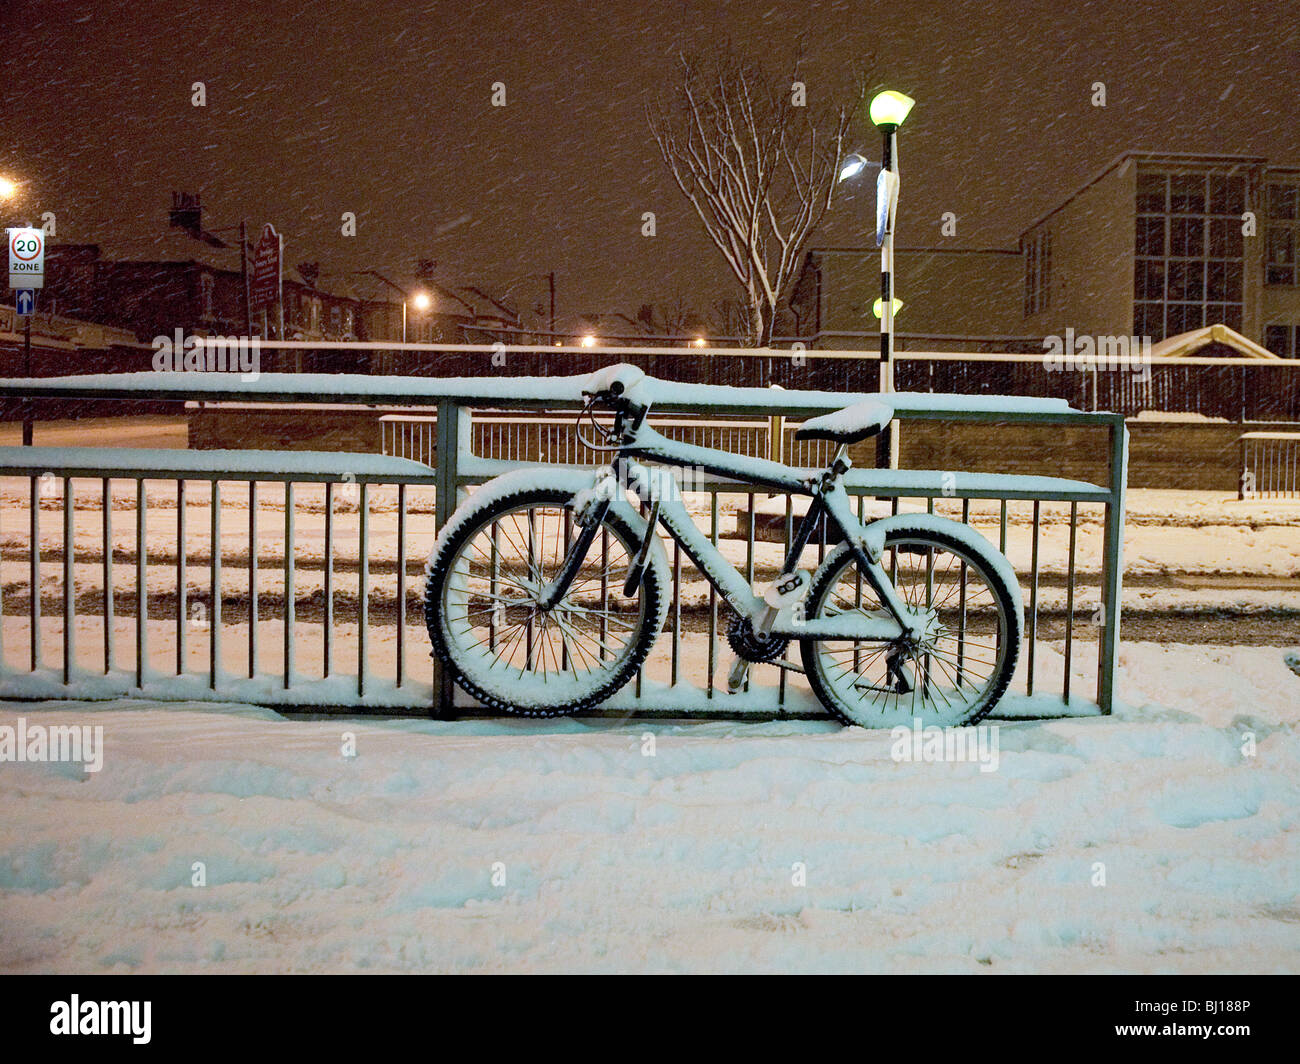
(26, 274)
(26, 258)
(264, 292)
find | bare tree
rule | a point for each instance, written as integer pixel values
(757, 164)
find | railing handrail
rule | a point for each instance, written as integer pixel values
(527, 393)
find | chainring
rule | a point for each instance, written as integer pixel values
(746, 644)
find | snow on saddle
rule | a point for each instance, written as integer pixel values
(849, 425)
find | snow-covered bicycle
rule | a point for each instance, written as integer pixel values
(547, 588)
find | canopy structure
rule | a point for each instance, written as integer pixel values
(1186, 344)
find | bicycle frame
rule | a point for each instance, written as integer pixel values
(775, 613)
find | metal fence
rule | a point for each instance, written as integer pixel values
(294, 579)
(1270, 465)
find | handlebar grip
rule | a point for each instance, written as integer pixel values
(613, 380)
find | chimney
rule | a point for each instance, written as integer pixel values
(186, 213)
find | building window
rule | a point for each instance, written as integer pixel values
(1283, 340)
(336, 319)
(1038, 272)
(1283, 234)
(1189, 252)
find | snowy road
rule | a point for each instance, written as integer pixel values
(523, 847)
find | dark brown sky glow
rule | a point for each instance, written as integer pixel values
(383, 109)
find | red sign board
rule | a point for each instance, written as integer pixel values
(264, 289)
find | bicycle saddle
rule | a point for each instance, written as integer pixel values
(849, 425)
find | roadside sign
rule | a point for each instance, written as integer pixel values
(26, 258)
(25, 300)
(264, 291)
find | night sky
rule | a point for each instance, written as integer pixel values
(384, 109)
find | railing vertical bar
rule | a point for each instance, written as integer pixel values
(141, 583)
(713, 594)
(328, 634)
(1033, 600)
(1113, 564)
(455, 432)
(1069, 600)
(494, 583)
(214, 584)
(1002, 528)
(401, 583)
(677, 612)
(106, 521)
(252, 579)
(290, 596)
(857, 588)
(181, 606)
(34, 572)
(789, 535)
(363, 589)
(749, 557)
(964, 574)
(69, 584)
(568, 544)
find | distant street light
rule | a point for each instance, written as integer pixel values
(8, 189)
(698, 341)
(589, 341)
(421, 301)
(852, 165)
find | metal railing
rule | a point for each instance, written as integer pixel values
(1237, 389)
(302, 570)
(1270, 465)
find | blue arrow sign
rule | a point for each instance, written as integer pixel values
(24, 300)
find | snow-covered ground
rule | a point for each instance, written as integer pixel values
(504, 846)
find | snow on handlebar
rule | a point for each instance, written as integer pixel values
(613, 380)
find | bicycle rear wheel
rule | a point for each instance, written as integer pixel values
(961, 667)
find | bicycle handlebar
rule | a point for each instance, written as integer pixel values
(613, 380)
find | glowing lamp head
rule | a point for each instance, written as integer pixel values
(852, 165)
(698, 341)
(878, 306)
(421, 301)
(890, 108)
(589, 341)
(8, 189)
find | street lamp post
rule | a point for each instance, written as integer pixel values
(888, 110)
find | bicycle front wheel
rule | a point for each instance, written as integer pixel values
(487, 626)
(958, 671)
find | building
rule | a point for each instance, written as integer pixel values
(957, 299)
(1156, 244)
